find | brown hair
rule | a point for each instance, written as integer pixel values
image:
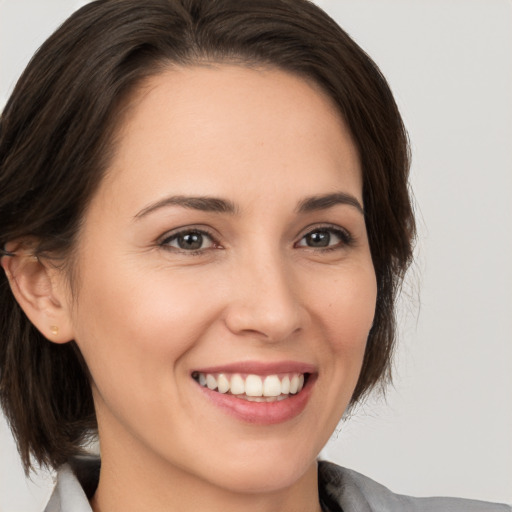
(56, 139)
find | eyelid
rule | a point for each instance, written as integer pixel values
(164, 240)
(343, 233)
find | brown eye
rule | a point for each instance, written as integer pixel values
(325, 238)
(318, 239)
(189, 241)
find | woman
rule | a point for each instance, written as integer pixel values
(204, 222)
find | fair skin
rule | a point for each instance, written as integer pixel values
(263, 281)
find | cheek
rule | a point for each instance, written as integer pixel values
(135, 334)
(344, 310)
(347, 309)
(139, 322)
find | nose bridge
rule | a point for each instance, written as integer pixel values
(264, 300)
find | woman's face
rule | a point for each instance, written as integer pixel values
(226, 244)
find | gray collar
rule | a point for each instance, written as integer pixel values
(341, 490)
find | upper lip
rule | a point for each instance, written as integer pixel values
(260, 368)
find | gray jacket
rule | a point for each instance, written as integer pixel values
(341, 490)
(353, 492)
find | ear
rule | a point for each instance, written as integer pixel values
(40, 289)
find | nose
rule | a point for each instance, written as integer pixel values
(264, 300)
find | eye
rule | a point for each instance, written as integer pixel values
(191, 240)
(325, 238)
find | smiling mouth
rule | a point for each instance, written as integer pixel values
(252, 387)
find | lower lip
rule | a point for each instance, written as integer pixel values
(262, 413)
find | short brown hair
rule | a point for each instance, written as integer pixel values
(56, 139)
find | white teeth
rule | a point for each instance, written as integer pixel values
(237, 385)
(253, 385)
(301, 382)
(222, 383)
(211, 382)
(271, 386)
(250, 398)
(294, 384)
(261, 398)
(254, 388)
(285, 385)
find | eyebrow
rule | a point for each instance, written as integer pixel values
(323, 202)
(202, 203)
(217, 205)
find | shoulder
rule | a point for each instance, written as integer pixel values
(352, 491)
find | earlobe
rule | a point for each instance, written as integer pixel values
(39, 290)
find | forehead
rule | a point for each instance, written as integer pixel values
(207, 129)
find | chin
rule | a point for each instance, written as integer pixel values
(274, 476)
(265, 467)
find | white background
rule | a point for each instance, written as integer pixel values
(446, 428)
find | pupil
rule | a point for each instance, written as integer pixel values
(191, 241)
(319, 239)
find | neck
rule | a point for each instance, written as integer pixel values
(134, 481)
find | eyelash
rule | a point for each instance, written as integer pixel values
(346, 240)
(166, 241)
